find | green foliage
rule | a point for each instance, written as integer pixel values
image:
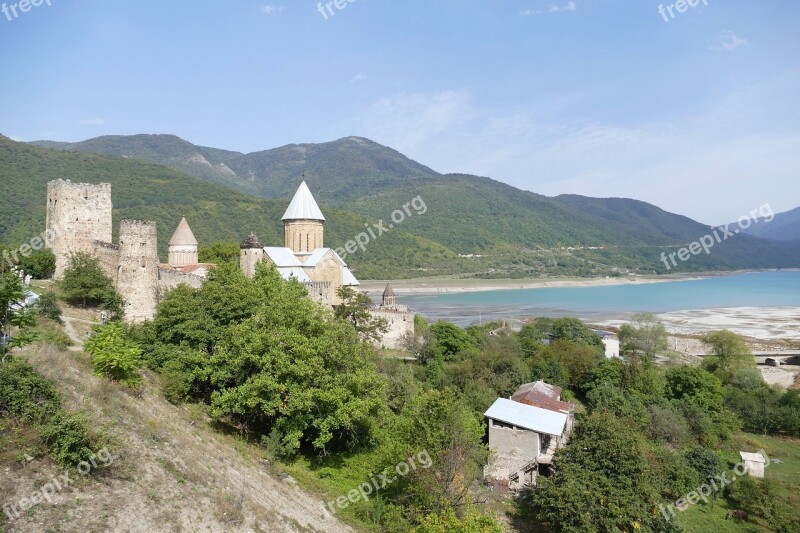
(84, 283)
(18, 322)
(730, 353)
(219, 252)
(47, 306)
(28, 398)
(448, 521)
(694, 386)
(451, 340)
(114, 355)
(355, 309)
(572, 329)
(602, 483)
(644, 335)
(39, 264)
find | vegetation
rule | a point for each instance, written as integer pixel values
(28, 400)
(84, 283)
(355, 308)
(644, 335)
(114, 355)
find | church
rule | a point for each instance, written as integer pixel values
(303, 256)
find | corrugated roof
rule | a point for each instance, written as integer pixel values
(348, 279)
(183, 235)
(527, 416)
(303, 206)
(282, 257)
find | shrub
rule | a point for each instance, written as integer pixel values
(25, 395)
(114, 355)
(84, 283)
(67, 439)
(47, 306)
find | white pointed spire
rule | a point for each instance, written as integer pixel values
(303, 206)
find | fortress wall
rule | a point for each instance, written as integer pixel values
(78, 214)
(107, 255)
(169, 279)
(400, 323)
(137, 278)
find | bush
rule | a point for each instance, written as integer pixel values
(85, 283)
(114, 355)
(48, 333)
(41, 264)
(47, 306)
(67, 439)
(25, 395)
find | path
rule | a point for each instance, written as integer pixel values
(73, 335)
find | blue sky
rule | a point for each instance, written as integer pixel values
(698, 115)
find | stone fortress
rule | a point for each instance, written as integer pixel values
(79, 219)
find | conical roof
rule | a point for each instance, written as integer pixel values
(251, 242)
(388, 291)
(303, 206)
(183, 235)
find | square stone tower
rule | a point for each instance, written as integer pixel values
(78, 214)
(137, 277)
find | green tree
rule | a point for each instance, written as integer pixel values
(572, 329)
(15, 320)
(451, 340)
(694, 386)
(355, 308)
(449, 522)
(114, 355)
(644, 335)
(40, 264)
(729, 349)
(85, 284)
(219, 252)
(602, 483)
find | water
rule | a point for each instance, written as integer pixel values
(759, 289)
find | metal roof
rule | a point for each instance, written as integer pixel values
(282, 257)
(348, 279)
(183, 235)
(303, 206)
(527, 417)
(294, 272)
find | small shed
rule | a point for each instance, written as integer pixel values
(753, 463)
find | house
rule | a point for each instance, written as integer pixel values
(524, 434)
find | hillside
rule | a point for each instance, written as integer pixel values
(784, 227)
(519, 233)
(142, 190)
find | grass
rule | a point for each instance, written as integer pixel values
(710, 518)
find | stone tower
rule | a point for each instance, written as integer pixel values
(302, 222)
(78, 214)
(389, 298)
(183, 246)
(251, 253)
(137, 276)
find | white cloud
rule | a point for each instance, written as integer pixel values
(269, 9)
(358, 77)
(93, 122)
(571, 6)
(727, 41)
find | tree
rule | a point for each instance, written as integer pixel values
(114, 355)
(355, 308)
(14, 318)
(694, 386)
(219, 252)
(448, 521)
(84, 283)
(644, 335)
(41, 264)
(436, 422)
(602, 483)
(572, 329)
(451, 340)
(729, 349)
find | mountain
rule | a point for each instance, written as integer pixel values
(517, 233)
(784, 227)
(142, 190)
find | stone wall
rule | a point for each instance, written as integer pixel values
(137, 277)
(249, 258)
(303, 235)
(400, 322)
(107, 255)
(320, 291)
(78, 214)
(169, 279)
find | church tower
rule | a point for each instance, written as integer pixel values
(389, 298)
(302, 222)
(183, 246)
(251, 253)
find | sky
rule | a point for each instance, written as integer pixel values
(695, 109)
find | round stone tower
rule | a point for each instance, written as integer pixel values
(137, 277)
(251, 253)
(183, 246)
(302, 223)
